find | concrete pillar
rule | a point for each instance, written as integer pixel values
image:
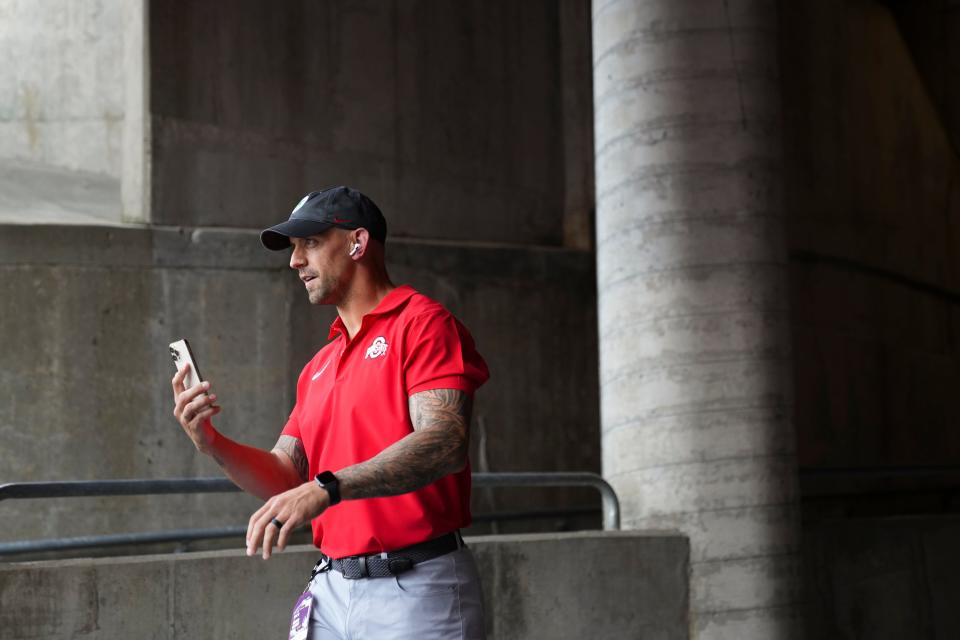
(691, 269)
(135, 180)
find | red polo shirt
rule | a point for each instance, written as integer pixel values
(352, 402)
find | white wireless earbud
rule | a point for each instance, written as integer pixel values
(354, 249)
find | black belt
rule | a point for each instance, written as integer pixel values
(384, 565)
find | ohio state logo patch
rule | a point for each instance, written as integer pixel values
(377, 348)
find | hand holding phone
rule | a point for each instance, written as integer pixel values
(182, 355)
(192, 409)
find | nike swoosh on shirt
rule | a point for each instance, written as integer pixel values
(317, 374)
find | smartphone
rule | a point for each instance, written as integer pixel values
(182, 355)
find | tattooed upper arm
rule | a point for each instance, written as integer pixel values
(438, 446)
(293, 448)
(450, 407)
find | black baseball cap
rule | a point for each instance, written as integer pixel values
(319, 210)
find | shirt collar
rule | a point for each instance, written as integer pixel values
(396, 298)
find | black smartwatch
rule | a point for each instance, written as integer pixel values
(329, 482)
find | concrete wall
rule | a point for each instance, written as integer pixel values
(222, 116)
(88, 312)
(873, 199)
(872, 186)
(932, 31)
(84, 368)
(61, 87)
(468, 122)
(464, 121)
(882, 578)
(598, 586)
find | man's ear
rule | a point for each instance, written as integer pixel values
(358, 243)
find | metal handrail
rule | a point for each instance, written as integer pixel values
(611, 505)
(117, 539)
(135, 487)
(192, 535)
(92, 488)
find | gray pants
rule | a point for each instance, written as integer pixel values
(438, 599)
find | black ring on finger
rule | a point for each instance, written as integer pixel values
(276, 523)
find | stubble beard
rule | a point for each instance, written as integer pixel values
(324, 292)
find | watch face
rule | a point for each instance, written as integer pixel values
(329, 482)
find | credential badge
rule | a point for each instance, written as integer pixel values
(377, 348)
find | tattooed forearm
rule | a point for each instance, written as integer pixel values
(293, 447)
(438, 446)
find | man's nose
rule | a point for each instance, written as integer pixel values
(296, 258)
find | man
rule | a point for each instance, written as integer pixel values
(374, 453)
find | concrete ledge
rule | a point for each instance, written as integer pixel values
(136, 246)
(130, 245)
(582, 585)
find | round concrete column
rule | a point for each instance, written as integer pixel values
(691, 269)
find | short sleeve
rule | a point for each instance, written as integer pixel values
(440, 354)
(292, 428)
